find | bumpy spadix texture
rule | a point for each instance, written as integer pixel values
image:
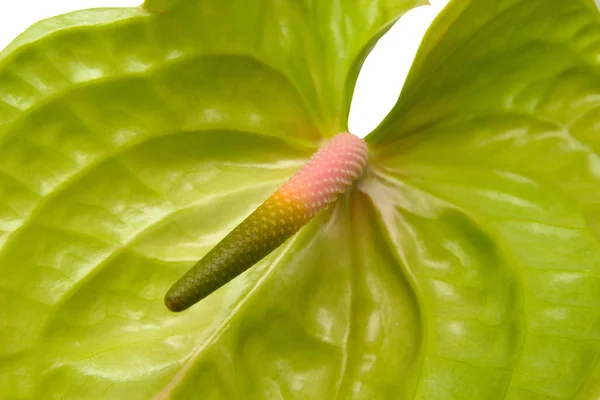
(317, 184)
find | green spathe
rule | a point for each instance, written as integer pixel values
(465, 265)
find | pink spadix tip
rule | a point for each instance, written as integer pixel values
(320, 182)
(328, 174)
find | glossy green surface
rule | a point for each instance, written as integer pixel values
(465, 265)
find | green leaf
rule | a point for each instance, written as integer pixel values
(465, 265)
(132, 141)
(487, 181)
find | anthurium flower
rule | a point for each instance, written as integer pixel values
(463, 264)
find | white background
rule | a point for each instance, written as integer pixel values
(378, 85)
